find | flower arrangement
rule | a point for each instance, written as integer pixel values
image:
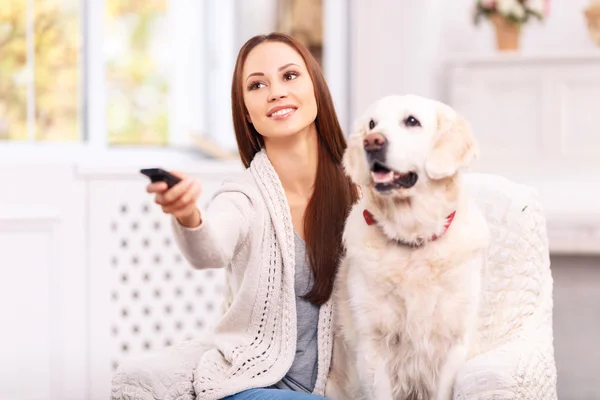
(516, 11)
(508, 16)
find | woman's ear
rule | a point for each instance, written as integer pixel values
(454, 146)
(248, 118)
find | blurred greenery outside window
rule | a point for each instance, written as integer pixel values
(41, 71)
(137, 56)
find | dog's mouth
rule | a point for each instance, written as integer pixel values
(386, 179)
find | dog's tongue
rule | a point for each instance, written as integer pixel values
(383, 177)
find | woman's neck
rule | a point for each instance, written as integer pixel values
(295, 160)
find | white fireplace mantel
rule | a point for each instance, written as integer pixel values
(537, 120)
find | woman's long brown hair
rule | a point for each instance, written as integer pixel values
(333, 193)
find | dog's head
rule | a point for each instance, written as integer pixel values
(402, 142)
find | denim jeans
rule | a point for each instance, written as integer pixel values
(273, 394)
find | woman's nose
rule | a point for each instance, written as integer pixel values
(275, 97)
(277, 93)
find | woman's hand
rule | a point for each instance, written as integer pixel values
(180, 200)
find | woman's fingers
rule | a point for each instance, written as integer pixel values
(180, 200)
(186, 201)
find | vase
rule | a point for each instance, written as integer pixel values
(507, 33)
(592, 16)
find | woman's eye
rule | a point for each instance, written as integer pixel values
(412, 121)
(255, 85)
(290, 75)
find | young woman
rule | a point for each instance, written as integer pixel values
(277, 230)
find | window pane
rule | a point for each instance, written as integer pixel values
(39, 62)
(137, 57)
(57, 70)
(13, 70)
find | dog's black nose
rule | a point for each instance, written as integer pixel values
(374, 142)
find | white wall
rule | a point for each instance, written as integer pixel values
(399, 46)
(393, 48)
(42, 284)
(256, 17)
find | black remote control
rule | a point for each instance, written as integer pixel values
(160, 175)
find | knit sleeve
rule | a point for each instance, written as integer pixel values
(225, 227)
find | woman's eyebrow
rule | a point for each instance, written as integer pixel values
(279, 69)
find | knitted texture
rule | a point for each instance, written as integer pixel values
(247, 229)
(165, 374)
(279, 210)
(515, 357)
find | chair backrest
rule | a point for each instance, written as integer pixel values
(517, 285)
(517, 297)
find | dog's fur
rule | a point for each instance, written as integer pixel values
(405, 317)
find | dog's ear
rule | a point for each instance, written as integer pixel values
(354, 162)
(454, 146)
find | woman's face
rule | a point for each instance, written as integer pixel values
(278, 91)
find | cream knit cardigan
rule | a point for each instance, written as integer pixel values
(248, 229)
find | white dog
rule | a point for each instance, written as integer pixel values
(407, 293)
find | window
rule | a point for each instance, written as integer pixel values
(40, 67)
(114, 73)
(136, 50)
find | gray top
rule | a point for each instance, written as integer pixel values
(303, 373)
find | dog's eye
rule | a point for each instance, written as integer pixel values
(412, 121)
(371, 124)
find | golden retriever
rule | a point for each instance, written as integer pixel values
(408, 288)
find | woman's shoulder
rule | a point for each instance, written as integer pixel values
(242, 184)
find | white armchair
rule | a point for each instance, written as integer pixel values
(516, 354)
(516, 338)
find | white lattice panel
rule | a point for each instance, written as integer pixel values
(156, 298)
(148, 296)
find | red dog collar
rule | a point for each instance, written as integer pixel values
(370, 220)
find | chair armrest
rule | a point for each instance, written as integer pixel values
(165, 374)
(522, 369)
